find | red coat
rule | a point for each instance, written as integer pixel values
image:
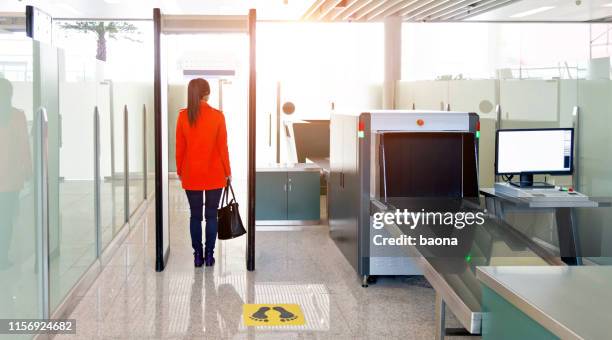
(202, 158)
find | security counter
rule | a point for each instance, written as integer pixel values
(546, 303)
(563, 210)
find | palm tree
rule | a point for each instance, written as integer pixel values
(104, 30)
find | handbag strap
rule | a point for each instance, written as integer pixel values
(225, 196)
(229, 184)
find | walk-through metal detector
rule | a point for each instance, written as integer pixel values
(177, 24)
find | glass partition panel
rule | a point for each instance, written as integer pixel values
(20, 277)
(128, 79)
(110, 200)
(595, 164)
(72, 228)
(48, 98)
(136, 155)
(150, 132)
(118, 152)
(136, 97)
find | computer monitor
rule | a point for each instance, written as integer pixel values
(534, 151)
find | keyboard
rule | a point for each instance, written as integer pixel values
(552, 194)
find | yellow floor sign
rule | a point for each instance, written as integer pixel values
(273, 315)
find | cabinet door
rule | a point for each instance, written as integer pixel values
(303, 199)
(271, 196)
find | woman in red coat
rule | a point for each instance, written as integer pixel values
(202, 164)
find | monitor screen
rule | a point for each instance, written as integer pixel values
(538, 151)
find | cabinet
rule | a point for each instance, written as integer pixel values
(287, 196)
(271, 196)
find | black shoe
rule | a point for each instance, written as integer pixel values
(209, 260)
(198, 259)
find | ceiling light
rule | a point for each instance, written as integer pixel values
(532, 12)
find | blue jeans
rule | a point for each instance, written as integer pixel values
(195, 198)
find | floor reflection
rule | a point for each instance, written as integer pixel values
(131, 301)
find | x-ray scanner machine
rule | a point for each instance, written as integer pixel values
(380, 156)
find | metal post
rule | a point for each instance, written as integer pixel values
(160, 174)
(250, 263)
(97, 191)
(111, 109)
(278, 120)
(384, 165)
(126, 166)
(144, 151)
(498, 118)
(576, 125)
(42, 193)
(270, 130)
(440, 322)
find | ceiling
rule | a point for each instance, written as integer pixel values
(331, 10)
(143, 9)
(409, 10)
(551, 10)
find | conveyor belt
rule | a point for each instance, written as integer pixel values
(454, 276)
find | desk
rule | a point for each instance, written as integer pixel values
(569, 243)
(546, 302)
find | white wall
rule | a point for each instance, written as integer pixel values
(529, 100)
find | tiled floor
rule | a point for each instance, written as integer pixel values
(131, 301)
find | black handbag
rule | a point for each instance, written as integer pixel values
(230, 223)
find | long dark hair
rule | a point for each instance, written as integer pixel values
(198, 88)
